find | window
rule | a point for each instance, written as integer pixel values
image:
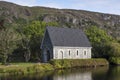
(69, 52)
(84, 52)
(62, 54)
(77, 52)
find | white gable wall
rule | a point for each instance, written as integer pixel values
(71, 52)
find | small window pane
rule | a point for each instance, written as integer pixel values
(77, 52)
(69, 53)
(62, 54)
(84, 52)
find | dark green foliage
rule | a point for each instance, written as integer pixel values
(114, 49)
(114, 60)
(8, 40)
(118, 41)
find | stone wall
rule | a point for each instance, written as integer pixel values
(71, 52)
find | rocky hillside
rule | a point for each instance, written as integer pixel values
(16, 14)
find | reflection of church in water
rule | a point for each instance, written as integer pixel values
(74, 76)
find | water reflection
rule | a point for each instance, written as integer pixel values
(114, 73)
(74, 76)
(81, 74)
(101, 73)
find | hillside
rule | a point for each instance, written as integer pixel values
(17, 15)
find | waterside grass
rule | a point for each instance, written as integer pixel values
(71, 63)
(25, 68)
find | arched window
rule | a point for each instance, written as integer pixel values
(77, 52)
(84, 52)
(62, 54)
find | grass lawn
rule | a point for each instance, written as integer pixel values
(16, 65)
(22, 68)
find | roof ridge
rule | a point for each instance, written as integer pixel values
(62, 27)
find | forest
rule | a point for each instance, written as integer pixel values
(22, 44)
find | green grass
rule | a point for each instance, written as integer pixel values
(23, 68)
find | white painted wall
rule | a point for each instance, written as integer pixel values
(63, 52)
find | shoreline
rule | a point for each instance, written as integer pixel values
(26, 68)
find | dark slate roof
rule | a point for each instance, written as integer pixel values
(68, 37)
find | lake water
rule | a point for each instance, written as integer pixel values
(99, 73)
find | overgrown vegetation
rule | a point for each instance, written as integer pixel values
(98, 38)
(115, 60)
(25, 68)
(70, 63)
(104, 45)
(8, 38)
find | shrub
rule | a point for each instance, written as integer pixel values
(98, 38)
(114, 60)
(69, 63)
(114, 50)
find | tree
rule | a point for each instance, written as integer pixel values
(26, 48)
(97, 35)
(32, 35)
(114, 49)
(98, 38)
(7, 43)
(25, 44)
